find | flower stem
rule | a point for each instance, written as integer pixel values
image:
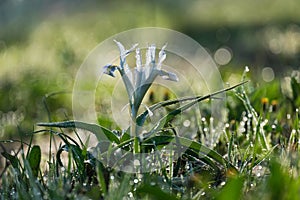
(134, 129)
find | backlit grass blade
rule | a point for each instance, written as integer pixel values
(191, 148)
(263, 157)
(100, 132)
(12, 159)
(160, 124)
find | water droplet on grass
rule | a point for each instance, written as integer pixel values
(247, 69)
(130, 194)
(258, 174)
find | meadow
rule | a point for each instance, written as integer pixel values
(255, 153)
(45, 154)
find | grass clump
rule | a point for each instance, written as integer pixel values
(255, 155)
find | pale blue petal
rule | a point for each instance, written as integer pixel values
(150, 54)
(109, 70)
(123, 52)
(161, 56)
(138, 59)
(168, 75)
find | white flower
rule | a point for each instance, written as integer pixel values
(138, 83)
(123, 52)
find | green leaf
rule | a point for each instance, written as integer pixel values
(158, 140)
(125, 136)
(295, 88)
(12, 159)
(76, 152)
(155, 192)
(34, 159)
(100, 132)
(232, 190)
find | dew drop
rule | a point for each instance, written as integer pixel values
(273, 126)
(247, 69)
(152, 183)
(258, 174)
(130, 194)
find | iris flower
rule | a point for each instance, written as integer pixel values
(138, 81)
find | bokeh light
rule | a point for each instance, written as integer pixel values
(268, 74)
(223, 56)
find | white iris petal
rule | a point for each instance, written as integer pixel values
(161, 56)
(138, 59)
(168, 75)
(150, 54)
(123, 52)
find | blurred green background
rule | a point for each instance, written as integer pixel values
(43, 43)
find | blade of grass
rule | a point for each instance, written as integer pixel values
(167, 118)
(142, 117)
(191, 147)
(100, 132)
(263, 157)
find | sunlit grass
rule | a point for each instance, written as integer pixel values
(255, 155)
(263, 152)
